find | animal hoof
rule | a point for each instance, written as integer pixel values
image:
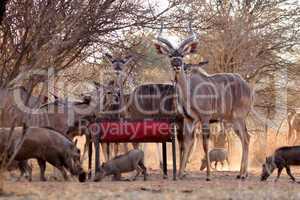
(181, 176)
(97, 179)
(89, 176)
(82, 177)
(242, 177)
(128, 179)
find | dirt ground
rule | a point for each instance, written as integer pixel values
(222, 186)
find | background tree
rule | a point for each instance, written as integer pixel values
(2, 9)
(43, 34)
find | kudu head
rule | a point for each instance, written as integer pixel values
(176, 55)
(118, 64)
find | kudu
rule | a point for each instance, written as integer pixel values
(145, 101)
(117, 93)
(154, 100)
(71, 117)
(293, 119)
(204, 98)
(60, 115)
(13, 98)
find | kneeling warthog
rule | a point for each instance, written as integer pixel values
(216, 155)
(133, 160)
(47, 145)
(283, 157)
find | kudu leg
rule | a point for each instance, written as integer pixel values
(180, 142)
(192, 151)
(164, 155)
(180, 147)
(85, 148)
(97, 155)
(104, 147)
(189, 152)
(240, 129)
(125, 146)
(135, 145)
(159, 156)
(90, 154)
(116, 148)
(186, 147)
(205, 136)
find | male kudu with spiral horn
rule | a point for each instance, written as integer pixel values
(204, 98)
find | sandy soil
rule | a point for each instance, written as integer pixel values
(223, 186)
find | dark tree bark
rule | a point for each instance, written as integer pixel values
(2, 9)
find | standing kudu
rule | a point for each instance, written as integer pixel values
(204, 98)
(145, 101)
(17, 102)
(293, 120)
(117, 93)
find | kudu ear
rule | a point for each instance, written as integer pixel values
(160, 49)
(190, 48)
(109, 57)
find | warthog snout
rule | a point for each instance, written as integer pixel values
(267, 170)
(82, 176)
(73, 163)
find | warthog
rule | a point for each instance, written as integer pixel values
(283, 157)
(133, 160)
(46, 145)
(294, 126)
(216, 155)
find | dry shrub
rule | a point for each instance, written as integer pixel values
(263, 145)
(9, 147)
